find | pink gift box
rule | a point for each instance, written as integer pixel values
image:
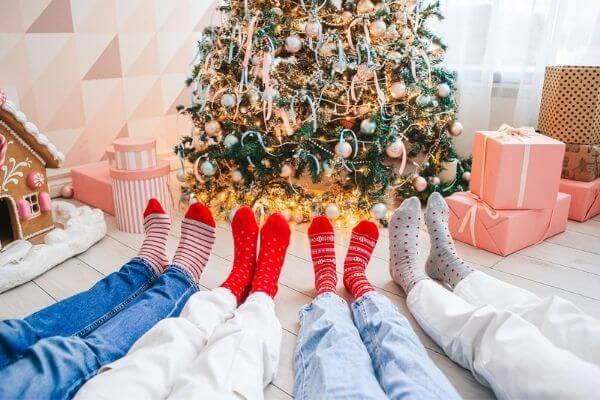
(135, 153)
(504, 231)
(92, 185)
(512, 172)
(585, 198)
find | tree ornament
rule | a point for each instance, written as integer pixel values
(228, 100)
(230, 141)
(365, 6)
(347, 122)
(419, 183)
(212, 128)
(377, 28)
(253, 97)
(332, 211)
(368, 126)
(398, 90)
(448, 173)
(343, 149)
(293, 44)
(327, 168)
(208, 168)
(435, 180)
(456, 129)
(337, 4)
(466, 176)
(347, 17)
(66, 191)
(180, 175)
(395, 148)
(256, 60)
(236, 176)
(424, 100)
(286, 171)
(313, 29)
(379, 211)
(326, 50)
(443, 90)
(266, 162)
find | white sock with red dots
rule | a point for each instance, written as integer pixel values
(274, 241)
(322, 250)
(443, 263)
(404, 251)
(362, 243)
(157, 225)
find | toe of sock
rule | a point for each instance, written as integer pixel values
(367, 228)
(320, 224)
(153, 207)
(277, 226)
(199, 212)
(436, 203)
(244, 218)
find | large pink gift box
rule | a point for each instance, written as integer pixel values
(92, 185)
(512, 171)
(585, 202)
(504, 231)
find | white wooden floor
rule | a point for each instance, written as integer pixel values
(567, 265)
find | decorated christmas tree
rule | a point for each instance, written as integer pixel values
(320, 106)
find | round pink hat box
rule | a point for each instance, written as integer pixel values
(133, 189)
(135, 153)
(110, 156)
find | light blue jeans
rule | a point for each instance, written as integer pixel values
(56, 367)
(368, 353)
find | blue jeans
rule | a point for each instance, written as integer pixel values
(56, 367)
(376, 356)
(79, 314)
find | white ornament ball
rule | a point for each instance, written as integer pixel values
(365, 6)
(312, 29)
(377, 28)
(208, 168)
(212, 128)
(456, 129)
(67, 191)
(424, 100)
(398, 90)
(343, 149)
(332, 211)
(419, 183)
(293, 44)
(368, 126)
(435, 180)
(395, 148)
(466, 176)
(228, 100)
(379, 211)
(443, 90)
(286, 171)
(180, 175)
(230, 141)
(236, 175)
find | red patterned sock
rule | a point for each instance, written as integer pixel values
(245, 238)
(274, 241)
(157, 225)
(363, 241)
(322, 250)
(197, 238)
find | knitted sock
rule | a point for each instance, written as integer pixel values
(157, 225)
(443, 263)
(245, 237)
(322, 250)
(274, 241)
(404, 252)
(197, 238)
(362, 242)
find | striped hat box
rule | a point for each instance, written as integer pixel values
(133, 189)
(135, 153)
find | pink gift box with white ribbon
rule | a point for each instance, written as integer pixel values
(585, 202)
(134, 153)
(504, 232)
(516, 168)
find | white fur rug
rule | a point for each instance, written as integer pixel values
(21, 261)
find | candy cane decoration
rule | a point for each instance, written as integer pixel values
(3, 149)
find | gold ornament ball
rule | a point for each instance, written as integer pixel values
(212, 128)
(286, 171)
(266, 163)
(456, 129)
(419, 183)
(398, 90)
(236, 176)
(377, 28)
(278, 29)
(365, 6)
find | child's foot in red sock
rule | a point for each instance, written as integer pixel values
(197, 238)
(274, 241)
(322, 250)
(363, 241)
(157, 225)
(245, 238)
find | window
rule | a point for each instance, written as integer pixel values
(34, 203)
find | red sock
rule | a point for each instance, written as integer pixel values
(274, 241)
(363, 241)
(157, 225)
(245, 237)
(322, 250)
(197, 238)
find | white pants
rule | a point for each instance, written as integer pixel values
(211, 351)
(519, 345)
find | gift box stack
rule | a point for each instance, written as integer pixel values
(514, 200)
(570, 112)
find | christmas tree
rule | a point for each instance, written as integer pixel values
(321, 106)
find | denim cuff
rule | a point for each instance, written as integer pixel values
(323, 299)
(146, 264)
(182, 271)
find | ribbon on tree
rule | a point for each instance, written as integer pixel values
(266, 78)
(285, 118)
(3, 148)
(470, 217)
(313, 109)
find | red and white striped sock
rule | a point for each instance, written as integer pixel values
(157, 225)
(245, 242)
(322, 251)
(362, 242)
(274, 241)
(197, 238)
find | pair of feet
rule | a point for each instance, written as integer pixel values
(442, 263)
(322, 247)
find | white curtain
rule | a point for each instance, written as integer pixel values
(500, 48)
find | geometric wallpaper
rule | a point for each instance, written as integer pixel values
(89, 71)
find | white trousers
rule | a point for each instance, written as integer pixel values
(210, 351)
(521, 346)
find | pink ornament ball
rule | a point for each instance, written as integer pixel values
(466, 176)
(419, 183)
(35, 179)
(67, 192)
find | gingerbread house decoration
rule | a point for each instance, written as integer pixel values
(25, 153)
